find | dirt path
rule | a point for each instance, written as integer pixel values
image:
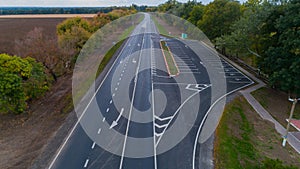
(22, 137)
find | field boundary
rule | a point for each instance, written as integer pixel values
(46, 16)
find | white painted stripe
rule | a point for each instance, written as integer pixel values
(93, 146)
(86, 163)
(99, 130)
(103, 119)
(84, 111)
(107, 110)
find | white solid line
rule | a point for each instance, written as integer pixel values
(131, 108)
(84, 111)
(93, 146)
(107, 110)
(153, 107)
(176, 112)
(86, 163)
(99, 130)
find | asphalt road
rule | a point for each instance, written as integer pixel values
(140, 117)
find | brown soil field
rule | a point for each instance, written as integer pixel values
(47, 16)
(23, 137)
(15, 29)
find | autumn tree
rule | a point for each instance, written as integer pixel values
(218, 16)
(20, 81)
(45, 50)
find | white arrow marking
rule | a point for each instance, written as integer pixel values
(115, 122)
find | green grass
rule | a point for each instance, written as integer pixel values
(87, 83)
(169, 59)
(235, 151)
(129, 30)
(108, 56)
(160, 28)
(236, 145)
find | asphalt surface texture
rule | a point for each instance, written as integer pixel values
(140, 117)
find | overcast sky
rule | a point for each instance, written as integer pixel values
(83, 3)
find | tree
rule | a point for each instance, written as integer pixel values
(251, 32)
(73, 33)
(282, 60)
(218, 16)
(20, 80)
(44, 49)
(196, 14)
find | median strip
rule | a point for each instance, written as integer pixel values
(169, 59)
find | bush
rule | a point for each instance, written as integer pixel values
(20, 81)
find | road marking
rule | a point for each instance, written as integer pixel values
(160, 126)
(86, 163)
(99, 130)
(120, 78)
(84, 111)
(176, 112)
(153, 107)
(103, 119)
(115, 122)
(163, 119)
(118, 83)
(107, 110)
(116, 89)
(113, 95)
(131, 107)
(110, 102)
(93, 146)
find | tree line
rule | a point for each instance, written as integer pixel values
(40, 59)
(53, 10)
(263, 33)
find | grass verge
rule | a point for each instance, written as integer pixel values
(169, 59)
(160, 28)
(277, 104)
(108, 56)
(244, 140)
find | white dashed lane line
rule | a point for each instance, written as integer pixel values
(99, 130)
(86, 163)
(93, 146)
(107, 110)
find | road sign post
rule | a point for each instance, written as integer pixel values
(289, 120)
